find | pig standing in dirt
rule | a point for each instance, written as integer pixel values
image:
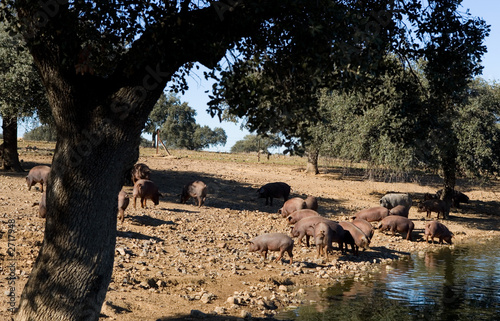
(292, 205)
(42, 208)
(456, 198)
(364, 226)
(395, 223)
(271, 190)
(196, 189)
(272, 242)
(311, 203)
(140, 171)
(146, 189)
(435, 205)
(359, 237)
(323, 236)
(123, 201)
(439, 230)
(392, 200)
(37, 174)
(305, 228)
(300, 214)
(400, 210)
(372, 214)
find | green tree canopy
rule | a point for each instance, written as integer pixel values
(255, 143)
(180, 130)
(21, 92)
(42, 133)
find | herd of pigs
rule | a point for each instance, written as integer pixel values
(301, 214)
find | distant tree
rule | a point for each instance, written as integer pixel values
(159, 114)
(180, 130)
(21, 92)
(377, 124)
(204, 137)
(42, 133)
(478, 131)
(255, 143)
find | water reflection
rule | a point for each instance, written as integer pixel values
(462, 283)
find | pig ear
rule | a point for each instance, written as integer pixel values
(250, 242)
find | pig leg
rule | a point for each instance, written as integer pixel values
(199, 201)
(319, 248)
(135, 197)
(307, 240)
(143, 202)
(121, 215)
(280, 256)
(290, 254)
(264, 254)
(408, 236)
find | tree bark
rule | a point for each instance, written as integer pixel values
(312, 161)
(449, 164)
(10, 157)
(71, 275)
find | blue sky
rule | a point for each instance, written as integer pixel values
(197, 98)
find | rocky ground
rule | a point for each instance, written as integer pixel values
(176, 260)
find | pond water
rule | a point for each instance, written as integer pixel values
(459, 283)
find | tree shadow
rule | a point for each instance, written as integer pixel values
(146, 220)
(228, 194)
(137, 236)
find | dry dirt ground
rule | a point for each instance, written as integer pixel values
(180, 261)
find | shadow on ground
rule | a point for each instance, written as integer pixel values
(226, 194)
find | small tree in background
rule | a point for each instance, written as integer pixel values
(180, 130)
(21, 93)
(41, 133)
(159, 114)
(256, 143)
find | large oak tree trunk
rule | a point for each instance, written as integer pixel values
(10, 157)
(71, 275)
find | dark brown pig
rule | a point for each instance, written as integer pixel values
(292, 205)
(359, 237)
(397, 223)
(146, 189)
(305, 228)
(435, 205)
(37, 174)
(311, 203)
(123, 201)
(439, 230)
(300, 214)
(272, 190)
(323, 236)
(364, 226)
(42, 208)
(196, 189)
(372, 214)
(140, 171)
(272, 242)
(400, 210)
(456, 198)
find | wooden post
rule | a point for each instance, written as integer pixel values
(157, 139)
